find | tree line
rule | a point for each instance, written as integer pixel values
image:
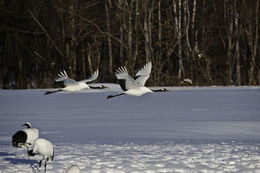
(208, 42)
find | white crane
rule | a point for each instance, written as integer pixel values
(71, 85)
(72, 169)
(134, 86)
(26, 137)
(44, 148)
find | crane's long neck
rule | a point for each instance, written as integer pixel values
(160, 90)
(97, 87)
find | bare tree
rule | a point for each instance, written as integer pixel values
(178, 28)
(136, 45)
(211, 42)
(122, 27)
(253, 44)
(70, 52)
(146, 33)
(110, 64)
(237, 47)
(192, 58)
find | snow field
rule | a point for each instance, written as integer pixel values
(200, 129)
(96, 158)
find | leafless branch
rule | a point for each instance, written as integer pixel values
(44, 30)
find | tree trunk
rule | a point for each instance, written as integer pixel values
(110, 63)
(146, 35)
(186, 24)
(71, 39)
(159, 29)
(121, 29)
(252, 80)
(150, 32)
(237, 47)
(230, 29)
(136, 32)
(19, 80)
(158, 56)
(89, 59)
(63, 35)
(181, 67)
(192, 58)
(83, 63)
(130, 37)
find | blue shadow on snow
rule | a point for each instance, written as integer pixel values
(6, 154)
(21, 161)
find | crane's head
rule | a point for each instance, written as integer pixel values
(103, 86)
(27, 125)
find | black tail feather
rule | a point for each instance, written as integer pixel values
(52, 156)
(31, 153)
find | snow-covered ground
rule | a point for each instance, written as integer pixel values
(189, 129)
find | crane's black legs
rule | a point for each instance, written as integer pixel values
(28, 152)
(51, 92)
(111, 96)
(40, 162)
(45, 165)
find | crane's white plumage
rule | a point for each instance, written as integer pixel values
(63, 77)
(71, 85)
(44, 148)
(32, 135)
(26, 137)
(73, 169)
(134, 86)
(143, 74)
(125, 80)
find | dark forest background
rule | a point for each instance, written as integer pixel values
(210, 42)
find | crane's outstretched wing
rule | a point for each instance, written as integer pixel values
(93, 77)
(143, 74)
(63, 77)
(125, 80)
